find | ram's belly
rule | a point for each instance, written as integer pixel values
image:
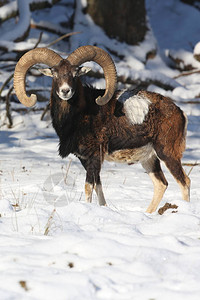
(131, 156)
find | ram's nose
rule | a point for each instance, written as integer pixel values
(65, 92)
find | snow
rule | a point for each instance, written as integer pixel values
(7, 9)
(53, 245)
(22, 25)
(197, 48)
(177, 24)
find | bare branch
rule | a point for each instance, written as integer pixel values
(8, 112)
(187, 73)
(63, 37)
(11, 76)
(143, 83)
(39, 40)
(45, 111)
(5, 83)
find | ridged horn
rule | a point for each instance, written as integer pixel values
(32, 57)
(101, 57)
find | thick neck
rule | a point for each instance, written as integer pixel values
(64, 113)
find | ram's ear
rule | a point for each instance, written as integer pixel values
(81, 71)
(46, 72)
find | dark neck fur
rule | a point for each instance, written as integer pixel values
(66, 115)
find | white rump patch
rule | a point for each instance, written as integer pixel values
(136, 106)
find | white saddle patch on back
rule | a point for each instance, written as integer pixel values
(136, 106)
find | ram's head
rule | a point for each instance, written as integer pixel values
(64, 68)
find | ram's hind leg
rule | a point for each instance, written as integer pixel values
(183, 180)
(173, 163)
(169, 146)
(152, 166)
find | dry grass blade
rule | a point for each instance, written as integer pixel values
(49, 222)
(191, 164)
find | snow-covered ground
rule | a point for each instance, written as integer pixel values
(55, 246)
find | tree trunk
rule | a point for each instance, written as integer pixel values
(124, 20)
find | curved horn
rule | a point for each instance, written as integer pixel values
(32, 57)
(101, 57)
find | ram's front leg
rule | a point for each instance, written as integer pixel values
(99, 192)
(93, 181)
(88, 191)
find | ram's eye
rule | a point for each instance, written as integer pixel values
(54, 72)
(75, 71)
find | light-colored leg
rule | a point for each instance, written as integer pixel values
(88, 192)
(152, 166)
(182, 179)
(159, 189)
(185, 189)
(100, 195)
